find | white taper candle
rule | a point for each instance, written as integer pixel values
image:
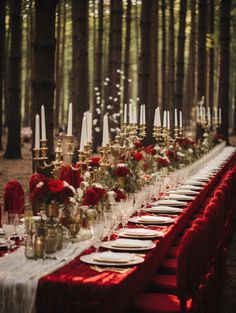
(176, 118)
(43, 123)
(164, 119)
(180, 119)
(37, 131)
(125, 113)
(69, 124)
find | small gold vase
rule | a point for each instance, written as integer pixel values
(52, 210)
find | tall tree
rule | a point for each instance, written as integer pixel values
(98, 77)
(171, 58)
(13, 149)
(180, 56)
(202, 29)
(127, 52)
(80, 60)
(43, 69)
(145, 65)
(2, 51)
(191, 80)
(211, 53)
(114, 60)
(154, 54)
(163, 59)
(224, 65)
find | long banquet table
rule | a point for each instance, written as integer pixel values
(78, 287)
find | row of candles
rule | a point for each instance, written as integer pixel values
(205, 117)
(86, 131)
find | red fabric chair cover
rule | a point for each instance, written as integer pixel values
(14, 198)
(72, 177)
(35, 179)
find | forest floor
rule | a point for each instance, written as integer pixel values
(21, 170)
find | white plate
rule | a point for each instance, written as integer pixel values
(185, 192)
(140, 233)
(6, 242)
(164, 209)
(191, 187)
(124, 260)
(169, 202)
(152, 219)
(128, 244)
(196, 182)
(2, 232)
(180, 197)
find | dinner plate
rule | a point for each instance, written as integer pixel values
(142, 233)
(2, 232)
(152, 219)
(196, 182)
(191, 187)
(180, 197)
(124, 244)
(112, 259)
(185, 192)
(165, 209)
(6, 242)
(169, 202)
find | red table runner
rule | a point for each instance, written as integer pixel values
(76, 287)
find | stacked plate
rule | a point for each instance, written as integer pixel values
(190, 187)
(142, 233)
(128, 244)
(185, 192)
(169, 202)
(152, 220)
(109, 258)
(180, 197)
(165, 209)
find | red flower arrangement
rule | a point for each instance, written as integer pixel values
(150, 150)
(35, 179)
(138, 156)
(51, 190)
(121, 171)
(163, 162)
(91, 197)
(137, 144)
(119, 195)
(94, 161)
(185, 143)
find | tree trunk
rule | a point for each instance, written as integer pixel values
(224, 65)
(171, 57)
(62, 64)
(114, 64)
(58, 63)
(98, 78)
(80, 60)
(163, 59)
(2, 49)
(191, 81)
(211, 53)
(145, 66)
(127, 53)
(202, 28)
(154, 54)
(13, 149)
(43, 69)
(6, 65)
(180, 56)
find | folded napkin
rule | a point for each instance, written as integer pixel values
(131, 243)
(140, 232)
(151, 218)
(112, 257)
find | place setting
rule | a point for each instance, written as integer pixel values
(165, 209)
(152, 220)
(141, 233)
(170, 202)
(125, 244)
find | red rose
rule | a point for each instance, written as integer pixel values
(55, 185)
(100, 192)
(121, 171)
(145, 167)
(138, 156)
(169, 154)
(90, 197)
(150, 150)
(66, 194)
(119, 195)
(163, 162)
(35, 179)
(137, 144)
(94, 161)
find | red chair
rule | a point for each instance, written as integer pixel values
(188, 279)
(14, 198)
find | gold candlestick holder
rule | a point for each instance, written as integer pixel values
(69, 143)
(142, 131)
